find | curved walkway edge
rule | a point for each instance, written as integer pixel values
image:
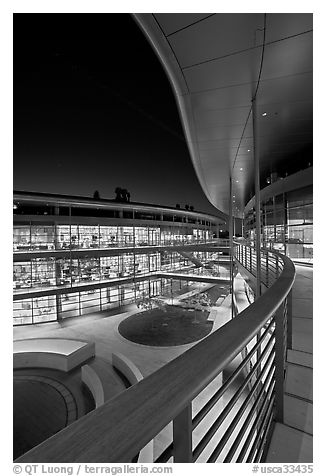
(293, 441)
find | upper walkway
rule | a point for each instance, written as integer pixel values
(292, 441)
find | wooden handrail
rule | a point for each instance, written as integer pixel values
(120, 428)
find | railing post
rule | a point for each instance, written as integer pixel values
(276, 264)
(279, 363)
(182, 436)
(231, 233)
(267, 280)
(289, 320)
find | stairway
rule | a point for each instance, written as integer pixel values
(191, 258)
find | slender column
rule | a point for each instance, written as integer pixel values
(257, 199)
(289, 320)
(274, 219)
(182, 436)
(70, 251)
(284, 223)
(231, 244)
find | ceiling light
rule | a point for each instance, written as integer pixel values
(248, 150)
(241, 168)
(237, 181)
(264, 114)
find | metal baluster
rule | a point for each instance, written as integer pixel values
(182, 436)
(289, 320)
(279, 363)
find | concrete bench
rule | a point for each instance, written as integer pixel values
(59, 354)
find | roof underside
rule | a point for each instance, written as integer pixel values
(215, 63)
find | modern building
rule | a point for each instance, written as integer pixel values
(243, 86)
(74, 256)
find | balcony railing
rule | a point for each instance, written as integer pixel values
(234, 423)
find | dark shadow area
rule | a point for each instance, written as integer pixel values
(39, 412)
(175, 326)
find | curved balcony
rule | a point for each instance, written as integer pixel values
(234, 425)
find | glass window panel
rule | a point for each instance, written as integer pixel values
(295, 216)
(90, 301)
(42, 237)
(74, 236)
(63, 236)
(69, 305)
(154, 236)
(141, 236)
(300, 234)
(75, 274)
(22, 312)
(154, 262)
(126, 236)
(308, 213)
(300, 196)
(89, 269)
(22, 275)
(43, 272)
(63, 271)
(127, 294)
(108, 236)
(109, 267)
(44, 309)
(141, 264)
(155, 288)
(127, 267)
(110, 298)
(141, 289)
(88, 236)
(21, 238)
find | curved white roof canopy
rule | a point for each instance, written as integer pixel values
(213, 62)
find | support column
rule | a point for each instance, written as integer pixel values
(231, 244)
(257, 198)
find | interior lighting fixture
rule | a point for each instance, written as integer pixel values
(248, 150)
(264, 114)
(237, 181)
(241, 168)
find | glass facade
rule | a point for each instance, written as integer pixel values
(287, 223)
(50, 308)
(62, 273)
(64, 237)
(73, 304)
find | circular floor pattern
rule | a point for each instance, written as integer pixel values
(40, 410)
(176, 326)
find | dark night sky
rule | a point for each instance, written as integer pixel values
(93, 110)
